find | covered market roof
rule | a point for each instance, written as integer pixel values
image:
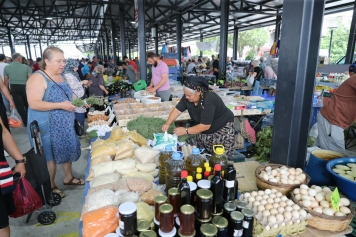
(64, 20)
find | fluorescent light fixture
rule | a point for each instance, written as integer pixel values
(49, 18)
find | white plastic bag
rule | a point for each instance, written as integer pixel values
(161, 140)
(15, 120)
(249, 80)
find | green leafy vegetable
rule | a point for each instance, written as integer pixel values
(263, 144)
(92, 100)
(92, 134)
(78, 102)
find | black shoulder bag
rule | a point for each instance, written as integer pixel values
(79, 129)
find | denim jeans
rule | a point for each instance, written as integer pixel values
(256, 89)
(80, 117)
(6, 103)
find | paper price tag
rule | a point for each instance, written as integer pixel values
(335, 199)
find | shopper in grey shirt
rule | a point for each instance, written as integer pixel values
(130, 73)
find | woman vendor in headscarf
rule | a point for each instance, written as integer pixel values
(215, 122)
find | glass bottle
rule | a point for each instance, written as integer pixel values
(173, 168)
(203, 204)
(218, 157)
(184, 189)
(230, 183)
(128, 218)
(194, 161)
(163, 158)
(217, 187)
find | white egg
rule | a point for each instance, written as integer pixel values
(284, 177)
(302, 213)
(279, 217)
(283, 172)
(339, 213)
(306, 203)
(267, 227)
(298, 170)
(314, 204)
(268, 191)
(266, 213)
(345, 202)
(291, 177)
(274, 172)
(345, 210)
(305, 197)
(291, 171)
(328, 196)
(296, 181)
(261, 208)
(328, 211)
(278, 179)
(296, 191)
(318, 209)
(290, 181)
(296, 207)
(280, 210)
(254, 194)
(246, 195)
(298, 197)
(268, 206)
(270, 200)
(277, 200)
(303, 186)
(273, 212)
(313, 186)
(278, 194)
(284, 168)
(324, 204)
(265, 196)
(260, 193)
(284, 181)
(288, 208)
(287, 215)
(251, 199)
(275, 205)
(284, 198)
(263, 202)
(272, 195)
(318, 189)
(258, 198)
(289, 202)
(273, 190)
(268, 168)
(319, 197)
(326, 189)
(312, 198)
(272, 220)
(302, 177)
(256, 203)
(304, 191)
(282, 203)
(272, 180)
(265, 176)
(311, 192)
(295, 214)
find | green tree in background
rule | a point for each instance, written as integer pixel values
(339, 44)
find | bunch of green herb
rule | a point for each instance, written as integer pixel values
(311, 141)
(264, 144)
(92, 100)
(147, 126)
(92, 134)
(78, 102)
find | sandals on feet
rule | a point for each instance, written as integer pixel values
(71, 182)
(61, 193)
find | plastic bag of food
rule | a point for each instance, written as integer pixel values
(144, 212)
(97, 188)
(141, 174)
(149, 196)
(139, 185)
(96, 143)
(100, 222)
(97, 160)
(161, 140)
(116, 133)
(120, 185)
(102, 168)
(148, 167)
(103, 150)
(105, 179)
(123, 146)
(125, 155)
(145, 155)
(102, 198)
(154, 173)
(137, 138)
(129, 197)
(126, 164)
(125, 172)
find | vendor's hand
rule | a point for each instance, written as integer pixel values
(180, 131)
(12, 104)
(66, 105)
(20, 168)
(87, 106)
(151, 90)
(149, 87)
(165, 127)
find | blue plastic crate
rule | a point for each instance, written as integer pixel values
(172, 70)
(170, 55)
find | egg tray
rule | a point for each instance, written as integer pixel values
(294, 229)
(285, 189)
(325, 222)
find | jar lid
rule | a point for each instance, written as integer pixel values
(208, 230)
(127, 208)
(241, 204)
(143, 225)
(204, 184)
(203, 221)
(230, 206)
(166, 208)
(237, 216)
(247, 212)
(160, 199)
(149, 233)
(173, 191)
(187, 209)
(192, 186)
(180, 235)
(169, 234)
(219, 221)
(204, 194)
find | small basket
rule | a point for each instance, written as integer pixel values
(325, 222)
(285, 189)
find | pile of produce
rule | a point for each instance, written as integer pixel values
(118, 87)
(264, 144)
(347, 171)
(97, 118)
(283, 175)
(92, 100)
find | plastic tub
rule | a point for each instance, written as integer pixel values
(316, 167)
(346, 187)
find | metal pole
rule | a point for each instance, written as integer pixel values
(34, 48)
(224, 25)
(40, 48)
(156, 40)
(278, 27)
(235, 43)
(25, 49)
(113, 40)
(201, 40)
(352, 39)
(122, 32)
(141, 31)
(103, 47)
(299, 50)
(28, 46)
(129, 46)
(179, 29)
(2, 48)
(11, 44)
(331, 42)
(107, 46)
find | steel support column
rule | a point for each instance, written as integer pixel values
(40, 48)
(25, 49)
(298, 57)
(129, 46)
(277, 30)
(11, 44)
(2, 48)
(107, 46)
(28, 46)
(141, 32)
(352, 39)
(179, 32)
(122, 32)
(235, 43)
(113, 40)
(224, 31)
(201, 40)
(103, 47)
(156, 40)
(34, 48)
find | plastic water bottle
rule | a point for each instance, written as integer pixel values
(163, 158)
(174, 168)
(194, 161)
(218, 157)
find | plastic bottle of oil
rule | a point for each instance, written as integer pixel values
(163, 158)
(218, 157)
(174, 168)
(194, 161)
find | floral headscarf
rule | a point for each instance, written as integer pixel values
(199, 84)
(69, 67)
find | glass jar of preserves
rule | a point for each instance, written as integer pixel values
(159, 201)
(173, 199)
(186, 218)
(128, 218)
(204, 204)
(221, 224)
(235, 227)
(166, 218)
(240, 205)
(228, 208)
(208, 230)
(247, 224)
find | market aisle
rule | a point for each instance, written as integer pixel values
(68, 212)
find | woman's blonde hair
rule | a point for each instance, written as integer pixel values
(48, 54)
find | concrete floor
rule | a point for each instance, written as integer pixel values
(68, 212)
